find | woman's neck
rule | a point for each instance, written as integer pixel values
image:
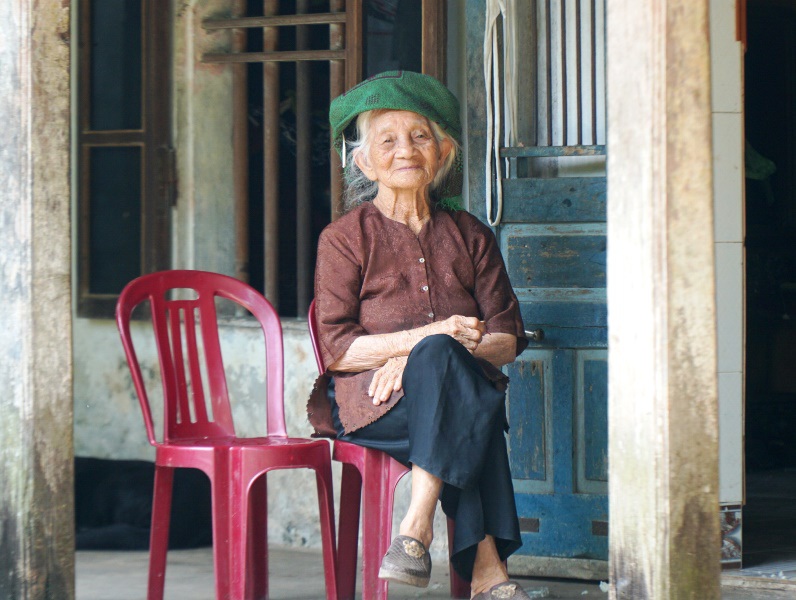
(410, 207)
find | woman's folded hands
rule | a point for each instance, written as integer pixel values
(387, 379)
(468, 331)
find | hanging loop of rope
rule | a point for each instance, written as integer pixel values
(499, 12)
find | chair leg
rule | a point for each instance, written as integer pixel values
(348, 532)
(159, 533)
(222, 527)
(378, 496)
(238, 518)
(460, 588)
(257, 588)
(323, 476)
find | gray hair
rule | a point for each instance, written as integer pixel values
(358, 188)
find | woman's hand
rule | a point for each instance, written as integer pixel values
(468, 331)
(387, 379)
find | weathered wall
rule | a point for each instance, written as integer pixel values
(36, 529)
(204, 225)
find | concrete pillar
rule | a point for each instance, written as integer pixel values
(36, 473)
(662, 361)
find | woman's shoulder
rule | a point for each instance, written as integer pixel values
(469, 224)
(349, 224)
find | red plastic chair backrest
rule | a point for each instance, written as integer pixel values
(313, 325)
(188, 346)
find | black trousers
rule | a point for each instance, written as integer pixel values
(451, 423)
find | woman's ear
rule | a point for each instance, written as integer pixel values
(363, 162)
(445, 147)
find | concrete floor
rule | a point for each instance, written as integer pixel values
(298, 575)
(295, 575)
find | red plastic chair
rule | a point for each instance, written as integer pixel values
(198, 430)
(369, 480)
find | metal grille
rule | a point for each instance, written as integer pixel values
(343, 55)
(570, 42)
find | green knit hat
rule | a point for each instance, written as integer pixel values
(396, 90)
(403, 90)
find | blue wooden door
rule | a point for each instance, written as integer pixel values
(557, 401)
(552, 235)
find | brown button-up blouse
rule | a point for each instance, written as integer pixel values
(373, 276)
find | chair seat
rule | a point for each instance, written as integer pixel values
(262, 442)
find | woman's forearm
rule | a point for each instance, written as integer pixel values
(372, 351)
(497, 348)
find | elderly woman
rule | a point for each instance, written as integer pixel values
(415, 316)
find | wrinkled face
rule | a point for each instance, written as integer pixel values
(402, 152)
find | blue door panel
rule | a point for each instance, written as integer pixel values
(567, 324)
(528, 403)
(556, 260)
(592, 425)
(563, 421)
(569, 526)
(556, 200)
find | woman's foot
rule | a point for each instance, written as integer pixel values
(407, 561)
(507, 590)
(482, 584)
(420, 528)
(489, 572)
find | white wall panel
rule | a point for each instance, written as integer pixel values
(730, 438)
(729, 306)
(728, 198)
(726, 58)
(728, 179)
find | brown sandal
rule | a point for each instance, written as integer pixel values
(508, 590)
(407, 561)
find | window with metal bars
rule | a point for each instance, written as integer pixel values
(290, 58)
(125, 159)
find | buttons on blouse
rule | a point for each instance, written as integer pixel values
(422, 260)
(430, 315)
(424, 288)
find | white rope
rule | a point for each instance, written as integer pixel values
(494, 10)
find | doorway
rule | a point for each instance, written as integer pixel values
(769, 515)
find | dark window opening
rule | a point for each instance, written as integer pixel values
(124, 158)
